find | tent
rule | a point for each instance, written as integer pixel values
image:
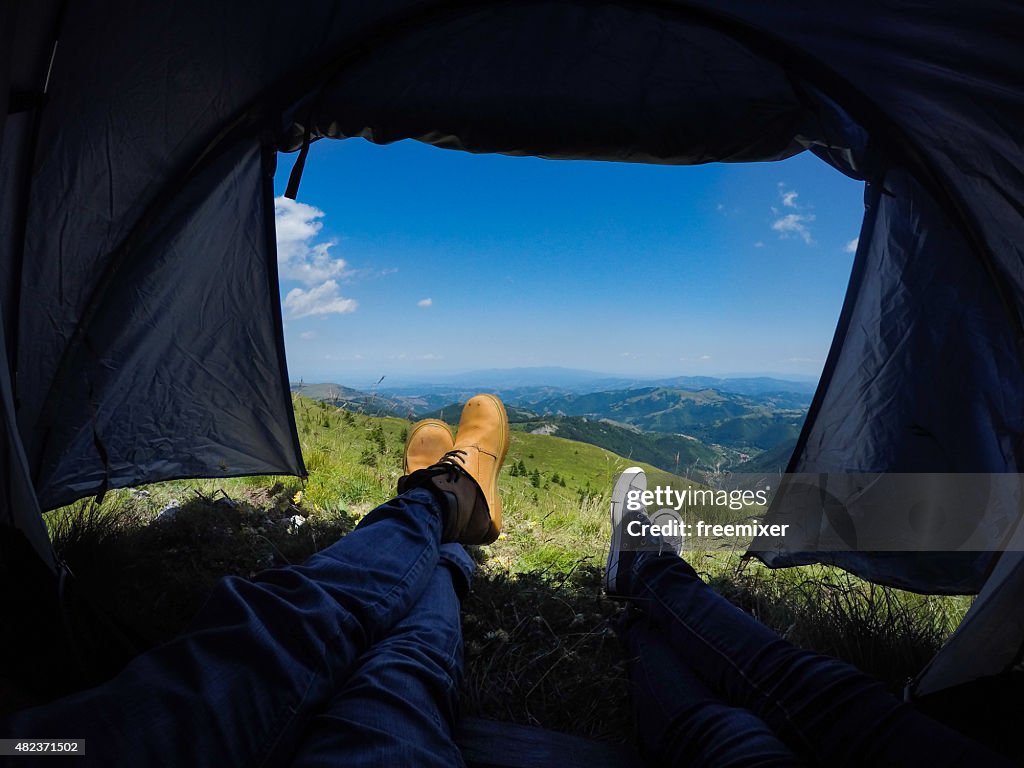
(138, 292)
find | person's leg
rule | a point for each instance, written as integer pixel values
(261, 657)
(680, 722)
(821, 707)
(398, 708)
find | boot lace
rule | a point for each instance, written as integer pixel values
(449, 464)
(454, 460)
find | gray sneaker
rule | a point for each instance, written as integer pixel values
(668, 520)
(626, 542)
(631, 480)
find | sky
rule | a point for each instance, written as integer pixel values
(410, 260)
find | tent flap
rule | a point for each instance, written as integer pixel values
(119, 414)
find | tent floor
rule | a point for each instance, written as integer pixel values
(989, 710)
(493, 744)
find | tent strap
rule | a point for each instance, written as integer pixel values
(292, 190)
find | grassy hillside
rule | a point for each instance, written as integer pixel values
(351, 399)
(555, 490)
(672, 453)
(540, 641)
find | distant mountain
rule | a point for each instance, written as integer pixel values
(741, 422)
(352, 399)
(450, 413)
(672, 453)
(426, 399)
(756, 385)
(504, 379)
(677, 430)
(772, 462)
(526, 384)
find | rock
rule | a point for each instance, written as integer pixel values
(168, 513)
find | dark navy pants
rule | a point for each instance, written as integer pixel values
(353, 658)
(714, 687)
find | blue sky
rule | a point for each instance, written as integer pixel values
(408, 259)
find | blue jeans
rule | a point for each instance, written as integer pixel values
(353, 656)
(715, 687)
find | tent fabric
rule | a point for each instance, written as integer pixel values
(133, 419)
(138, 291)
(666, 106)
(988, 641)
(918, 303)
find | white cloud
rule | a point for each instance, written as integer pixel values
(307, 335)
(759, 244)
(299, 255)
(425, 302)
(794, 224)
(322, 300)
(430, 356)
(851, 247)
(705, 357)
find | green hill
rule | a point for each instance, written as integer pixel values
(350, 399)
(672, 453)
(749, 423)
(669, 452)
(773, 461)
(451, 411)
(555, 490)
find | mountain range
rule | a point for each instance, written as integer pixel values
(694, 424)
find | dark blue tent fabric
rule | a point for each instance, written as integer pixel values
(157, 421)
(924, 377)
(135, 158)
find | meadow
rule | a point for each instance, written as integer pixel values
(539, 633)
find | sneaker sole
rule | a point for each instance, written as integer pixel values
(617, 508)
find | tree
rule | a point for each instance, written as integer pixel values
(368, 457)
(535, 478)
(377, 436)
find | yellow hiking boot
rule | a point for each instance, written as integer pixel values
(427, 442)
(467, 475)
